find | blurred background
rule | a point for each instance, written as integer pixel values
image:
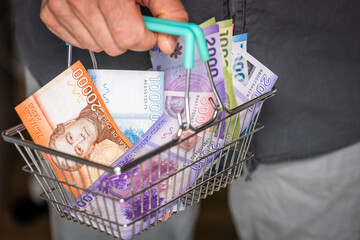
(20, 216)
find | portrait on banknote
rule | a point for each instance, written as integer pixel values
(81, 136)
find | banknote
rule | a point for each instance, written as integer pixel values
(226, 36)
(226, 47)
(253, 81)
(175, 76)
(226, 29)
(68, 115)
(208, 23)
(240, 76)
(135, 99)
(154, 170)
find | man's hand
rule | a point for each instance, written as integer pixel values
(113, 26)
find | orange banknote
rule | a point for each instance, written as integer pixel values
(68, 115)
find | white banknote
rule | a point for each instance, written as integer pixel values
(257, 81)
(135, 99)
(240, 66)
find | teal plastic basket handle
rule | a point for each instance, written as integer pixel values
(190, 31)
(197, 31)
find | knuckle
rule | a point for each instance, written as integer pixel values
(186, 16)
(128, 40)
(55, 6)
(45, 16)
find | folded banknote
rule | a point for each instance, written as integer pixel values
(240, 76)
(226, 47)
(251, 79)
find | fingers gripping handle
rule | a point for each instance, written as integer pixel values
(190, 31)
(179, 31)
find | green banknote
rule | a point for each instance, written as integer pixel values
(226, 43)
(208, 23)
(225, 31)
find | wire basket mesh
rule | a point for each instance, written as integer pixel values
(129, 199)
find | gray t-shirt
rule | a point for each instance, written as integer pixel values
(313, 46)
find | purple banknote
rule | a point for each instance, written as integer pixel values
(175, 76)
(197, 149)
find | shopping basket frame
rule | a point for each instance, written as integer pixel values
(218, 176)
(221, 165)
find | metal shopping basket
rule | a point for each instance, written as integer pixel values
(215, 166)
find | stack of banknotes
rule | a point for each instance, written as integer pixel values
(113, 117)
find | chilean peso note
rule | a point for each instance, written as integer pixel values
(68, 115)
(208, 23)
(240, 67)
(226, 47)
(253, 79)
(135, 99)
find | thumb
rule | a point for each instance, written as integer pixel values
(170, 10)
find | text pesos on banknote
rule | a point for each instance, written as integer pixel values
(33, 118)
